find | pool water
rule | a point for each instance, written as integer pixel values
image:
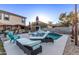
(54, 36)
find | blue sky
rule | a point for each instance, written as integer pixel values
(46, 12)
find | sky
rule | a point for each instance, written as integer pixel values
(45, 12)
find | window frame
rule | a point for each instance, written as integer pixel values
(7, 18)
(23, 20)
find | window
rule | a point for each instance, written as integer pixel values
(6, 17)
(23, 21)
(0, 16)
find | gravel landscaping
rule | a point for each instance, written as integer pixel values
(71, 48)
(2, 50)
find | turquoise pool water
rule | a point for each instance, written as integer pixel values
(54, 36)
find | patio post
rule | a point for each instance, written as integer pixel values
(75, 24)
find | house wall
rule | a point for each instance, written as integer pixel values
(16, 20)
(1, 27)
(13, 20)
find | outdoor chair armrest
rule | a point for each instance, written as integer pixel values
(16, 37)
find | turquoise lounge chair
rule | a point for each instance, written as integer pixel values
(12, 37)
(29, 46)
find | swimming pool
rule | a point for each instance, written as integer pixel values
(54, 36)
(49, 35)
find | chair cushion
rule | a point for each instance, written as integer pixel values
(16, 37)
(36, 46)
(25, 41)
(40, 35)
(11, 36)
(8, 37)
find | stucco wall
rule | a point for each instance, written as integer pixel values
(12, 20)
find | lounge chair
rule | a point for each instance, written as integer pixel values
(28, 46)
(11, 36)
(44, 36)
(41, 36)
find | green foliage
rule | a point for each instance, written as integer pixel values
(66, 19)
(62, 15)
(2, 51)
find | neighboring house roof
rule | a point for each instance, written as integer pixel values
(12, 13)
